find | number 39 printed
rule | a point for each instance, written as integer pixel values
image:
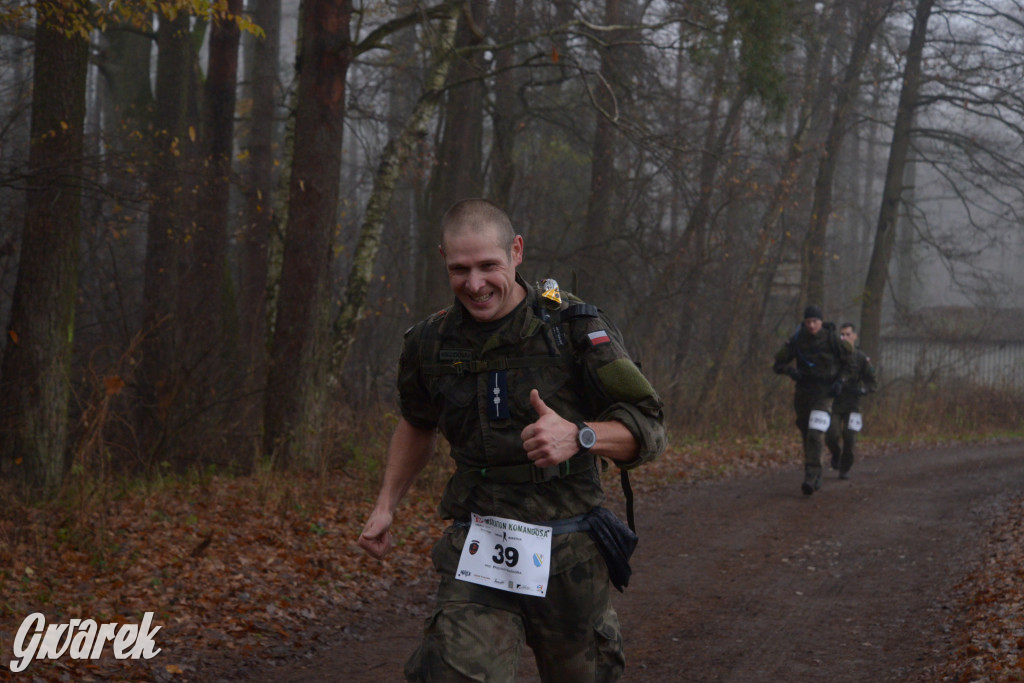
(507, 556)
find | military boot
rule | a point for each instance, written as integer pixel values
(845, 464)
(812, 482)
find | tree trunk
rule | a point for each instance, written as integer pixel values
(745, 306)
(206, 301)
(124, 63)
(814, 243)
(403, 83)
(158, 377)
(503, 168)
(392, 160)
(260, 216)
(458, 171)
(36, 369)
(603, 180)
(885, 232)
(299, 356)
(905, 290)
(211, 238)
(691, 248)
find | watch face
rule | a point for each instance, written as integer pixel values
(587, 437)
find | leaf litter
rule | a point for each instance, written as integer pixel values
(247, 568)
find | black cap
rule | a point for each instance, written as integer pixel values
(812, 312)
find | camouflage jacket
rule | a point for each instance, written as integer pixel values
(862, 382)
(821, 358)
(472, 381)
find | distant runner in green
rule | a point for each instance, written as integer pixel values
(820, 363)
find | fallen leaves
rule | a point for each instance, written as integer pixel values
(225, 563)
(247, 567)
(988, 622)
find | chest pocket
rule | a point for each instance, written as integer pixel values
(548, 381)
(458, 390)
(457, 381)
(455, 395)
(452, 395)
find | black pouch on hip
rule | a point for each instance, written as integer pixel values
(615, 541)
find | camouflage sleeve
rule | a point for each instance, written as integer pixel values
(783, 356)
(413, 396)
(616, 389)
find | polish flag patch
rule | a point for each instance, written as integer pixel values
(599, 337)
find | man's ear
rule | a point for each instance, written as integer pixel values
(516, 254)
(440, 249)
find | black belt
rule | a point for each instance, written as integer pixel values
(530, 473)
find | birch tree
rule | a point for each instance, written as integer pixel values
(395, 153)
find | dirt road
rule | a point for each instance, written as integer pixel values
(749, 580)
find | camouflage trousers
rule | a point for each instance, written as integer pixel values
(841, 440)
(804, 401)
(477, 633)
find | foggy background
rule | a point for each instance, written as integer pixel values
(699, 170)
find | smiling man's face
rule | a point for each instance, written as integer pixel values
(482, 274)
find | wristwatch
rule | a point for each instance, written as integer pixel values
(586, 437)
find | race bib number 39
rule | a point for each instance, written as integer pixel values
(507, 555)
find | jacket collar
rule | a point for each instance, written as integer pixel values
(522, 322)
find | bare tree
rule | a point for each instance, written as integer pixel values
(159, 378)
(749, 296)
(603, 177)
(885, 233)
(872, 14)
(261, 140)
(395, 153)
(503, 167)
(295, 396)
(458, 172)
(36, 361)
(206, 298)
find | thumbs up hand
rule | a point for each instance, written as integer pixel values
(539, 405)
(551, 439)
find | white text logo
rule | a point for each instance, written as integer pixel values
(81, 639)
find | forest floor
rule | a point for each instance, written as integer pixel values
(911, 570)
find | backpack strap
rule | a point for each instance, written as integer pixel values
(794, 344)
(580, 310)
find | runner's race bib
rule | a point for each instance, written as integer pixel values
(507, 555)
(855, 422)
(819, 420)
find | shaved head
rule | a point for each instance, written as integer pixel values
(474, 216)
(481, 253)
